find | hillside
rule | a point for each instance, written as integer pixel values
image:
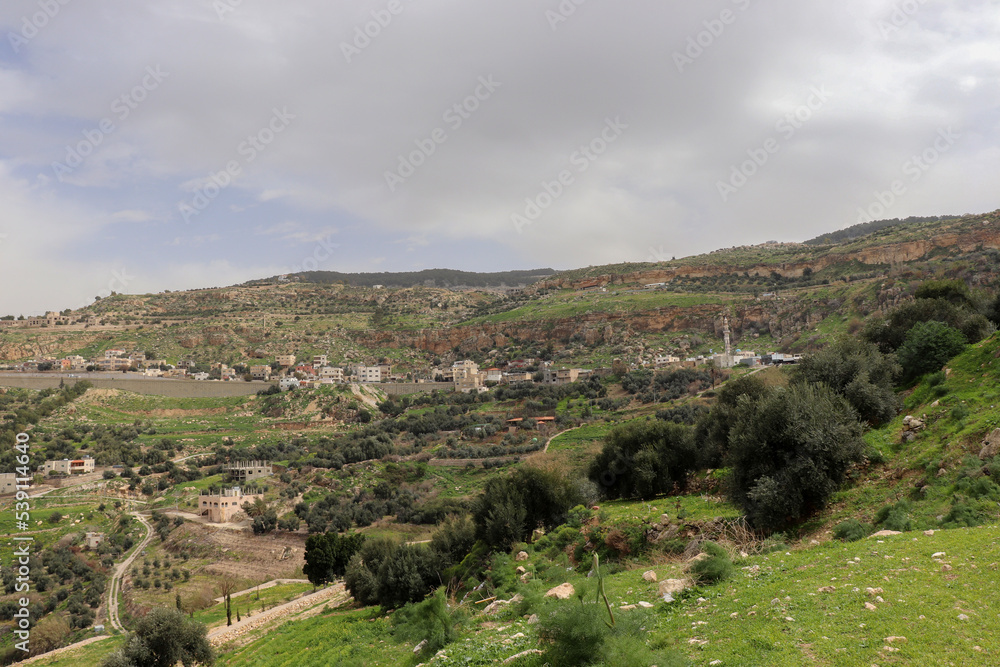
(448, 278)
(785, 297)
(921, 597)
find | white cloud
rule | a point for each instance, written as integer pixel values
(324, 170)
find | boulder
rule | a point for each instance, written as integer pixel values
(561, 592)
(672, 586)
(991, 445)
(521, 556)
(649, 575)
(885, 533)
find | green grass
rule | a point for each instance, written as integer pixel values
(345, 639)
(90, 655)
(269, 597)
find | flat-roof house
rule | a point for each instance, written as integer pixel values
(69, 466)
(222, 506)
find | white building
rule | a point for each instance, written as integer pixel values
(69, 466)
(288, 383)
(368, 374)
(332, 373)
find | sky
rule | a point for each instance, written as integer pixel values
(147, 146)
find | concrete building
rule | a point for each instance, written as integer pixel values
(469, 383)
(94, 540)
(288, 383)
(368, 374)
(662, 360)
(113, 364)
(247, 471)
(8, 483)
(332, 373)
(260, 372)
(320, 360)
(464, 368)
(286, 360)
(69, 466)
(222, 506)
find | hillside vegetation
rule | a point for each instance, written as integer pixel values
(842, 511)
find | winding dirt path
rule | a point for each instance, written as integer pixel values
(114, 590)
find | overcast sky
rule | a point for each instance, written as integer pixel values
(189, 143)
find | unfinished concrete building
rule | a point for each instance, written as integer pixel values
(242, 472)
(220, 506)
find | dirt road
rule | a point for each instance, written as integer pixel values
(114, 590)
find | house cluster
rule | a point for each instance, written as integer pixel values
(50, 319)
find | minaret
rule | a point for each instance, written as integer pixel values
(728, 359)
(725, 333)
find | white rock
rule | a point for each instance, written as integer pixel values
(939, 554)
(561, 592)
(649, 575)
(671, 586)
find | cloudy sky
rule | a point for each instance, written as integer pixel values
(187, 143)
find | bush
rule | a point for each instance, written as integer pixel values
(718, 566)
(643, 459)
(327, 556)
(432, 621)
(576, 633)
(895, 517)
(963, 515)
(927, 347)
(511, 507)
(856, 370)
(162, 638)
(789, 452)
(851, 530)
(712, 431)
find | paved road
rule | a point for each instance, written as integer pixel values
(114, 590)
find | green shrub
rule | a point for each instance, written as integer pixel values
(934, 379)
(644, 458)
(959, 412)
(576, 633)
(927, 347)
(895, 517)
(432, 621)
(717, 567)
(789, 451)
(963, 514)
(852, 530)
